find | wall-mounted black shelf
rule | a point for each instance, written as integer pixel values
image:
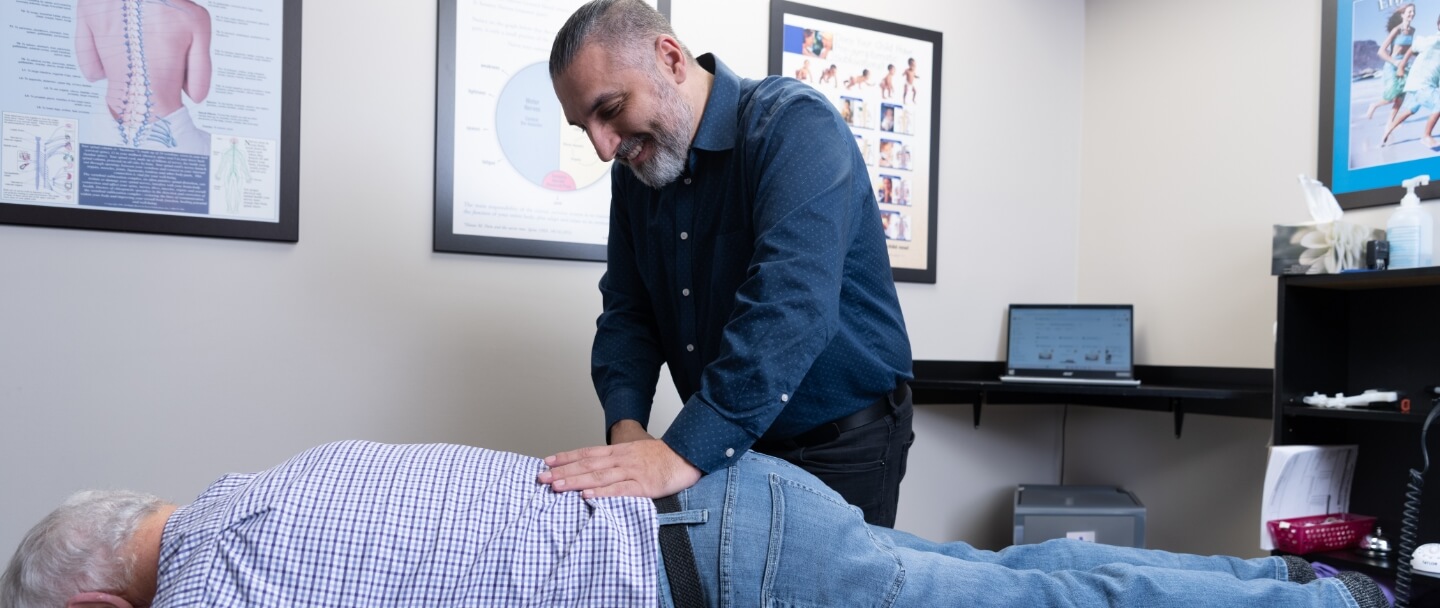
(1218, 391)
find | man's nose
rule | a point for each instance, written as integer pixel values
(606, 142)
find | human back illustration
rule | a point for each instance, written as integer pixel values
(149, 52)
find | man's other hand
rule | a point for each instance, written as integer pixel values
(644, 467)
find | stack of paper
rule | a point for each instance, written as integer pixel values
(1303, 480)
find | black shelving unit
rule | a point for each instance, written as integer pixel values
(1347, 333)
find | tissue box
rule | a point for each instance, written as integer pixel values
(1320, 248)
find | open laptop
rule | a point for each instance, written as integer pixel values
(1071, 343)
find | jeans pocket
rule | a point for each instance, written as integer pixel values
(848, 568)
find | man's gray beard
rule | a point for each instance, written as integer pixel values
(664, 166)
(668, 137)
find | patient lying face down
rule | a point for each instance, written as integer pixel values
(357, 523)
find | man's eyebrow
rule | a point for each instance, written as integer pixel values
(603, 99)
(600, 100)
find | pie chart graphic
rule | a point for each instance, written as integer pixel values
(535, 138)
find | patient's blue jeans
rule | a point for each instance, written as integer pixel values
(766, 533)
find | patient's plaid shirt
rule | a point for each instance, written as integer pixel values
(367, 524)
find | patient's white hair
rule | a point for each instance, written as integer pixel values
(78, 547)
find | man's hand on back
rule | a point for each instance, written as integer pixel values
(632, 466)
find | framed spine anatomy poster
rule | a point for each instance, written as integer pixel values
(167, 116)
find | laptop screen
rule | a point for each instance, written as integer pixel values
(1071, 340)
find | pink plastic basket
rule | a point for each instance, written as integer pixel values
(1320, 532)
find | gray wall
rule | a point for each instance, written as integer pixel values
(159, 362)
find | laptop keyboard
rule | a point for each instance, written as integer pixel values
(1100, 381)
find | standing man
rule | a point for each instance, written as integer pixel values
(746, 253)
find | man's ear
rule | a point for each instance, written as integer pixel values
(671, 58)
(95, 599)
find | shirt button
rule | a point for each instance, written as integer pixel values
(687, 181)
(784, 398)
(684, 235)
(690, 347)
(685, 292)
(729, 452)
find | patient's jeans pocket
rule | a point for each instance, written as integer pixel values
(822, 554)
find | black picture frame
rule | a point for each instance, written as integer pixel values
(446, 239)
(783, 44)
(1351, 161)
(284, 228)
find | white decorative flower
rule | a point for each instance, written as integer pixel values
(1331, 247)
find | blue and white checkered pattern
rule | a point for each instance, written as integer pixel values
(366, 524)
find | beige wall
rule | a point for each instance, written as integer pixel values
(1198, 117)
(1192, 145)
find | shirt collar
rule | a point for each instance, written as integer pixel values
(719, 123)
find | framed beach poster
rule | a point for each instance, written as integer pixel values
(1378, 99)
(512, 177)
(884, 78)
(174, 116)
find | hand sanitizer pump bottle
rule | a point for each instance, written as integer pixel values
(1409, 229)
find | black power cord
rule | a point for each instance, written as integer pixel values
(1410, 516)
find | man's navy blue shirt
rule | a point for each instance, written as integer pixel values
(761, 277)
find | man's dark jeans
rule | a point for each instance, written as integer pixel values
(864, 464)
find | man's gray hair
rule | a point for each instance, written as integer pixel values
(626, 28)
(78, 547)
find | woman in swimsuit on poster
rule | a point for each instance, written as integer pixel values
(1396, 53)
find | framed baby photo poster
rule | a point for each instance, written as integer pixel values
(178, 117)
(512, 176)
(1379, 103)
(884, 78)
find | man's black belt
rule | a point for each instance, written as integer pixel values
(679, 559)
(829, 431)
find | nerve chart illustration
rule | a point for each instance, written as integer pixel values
(536, 139)
(39, 156)
(513, 176)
